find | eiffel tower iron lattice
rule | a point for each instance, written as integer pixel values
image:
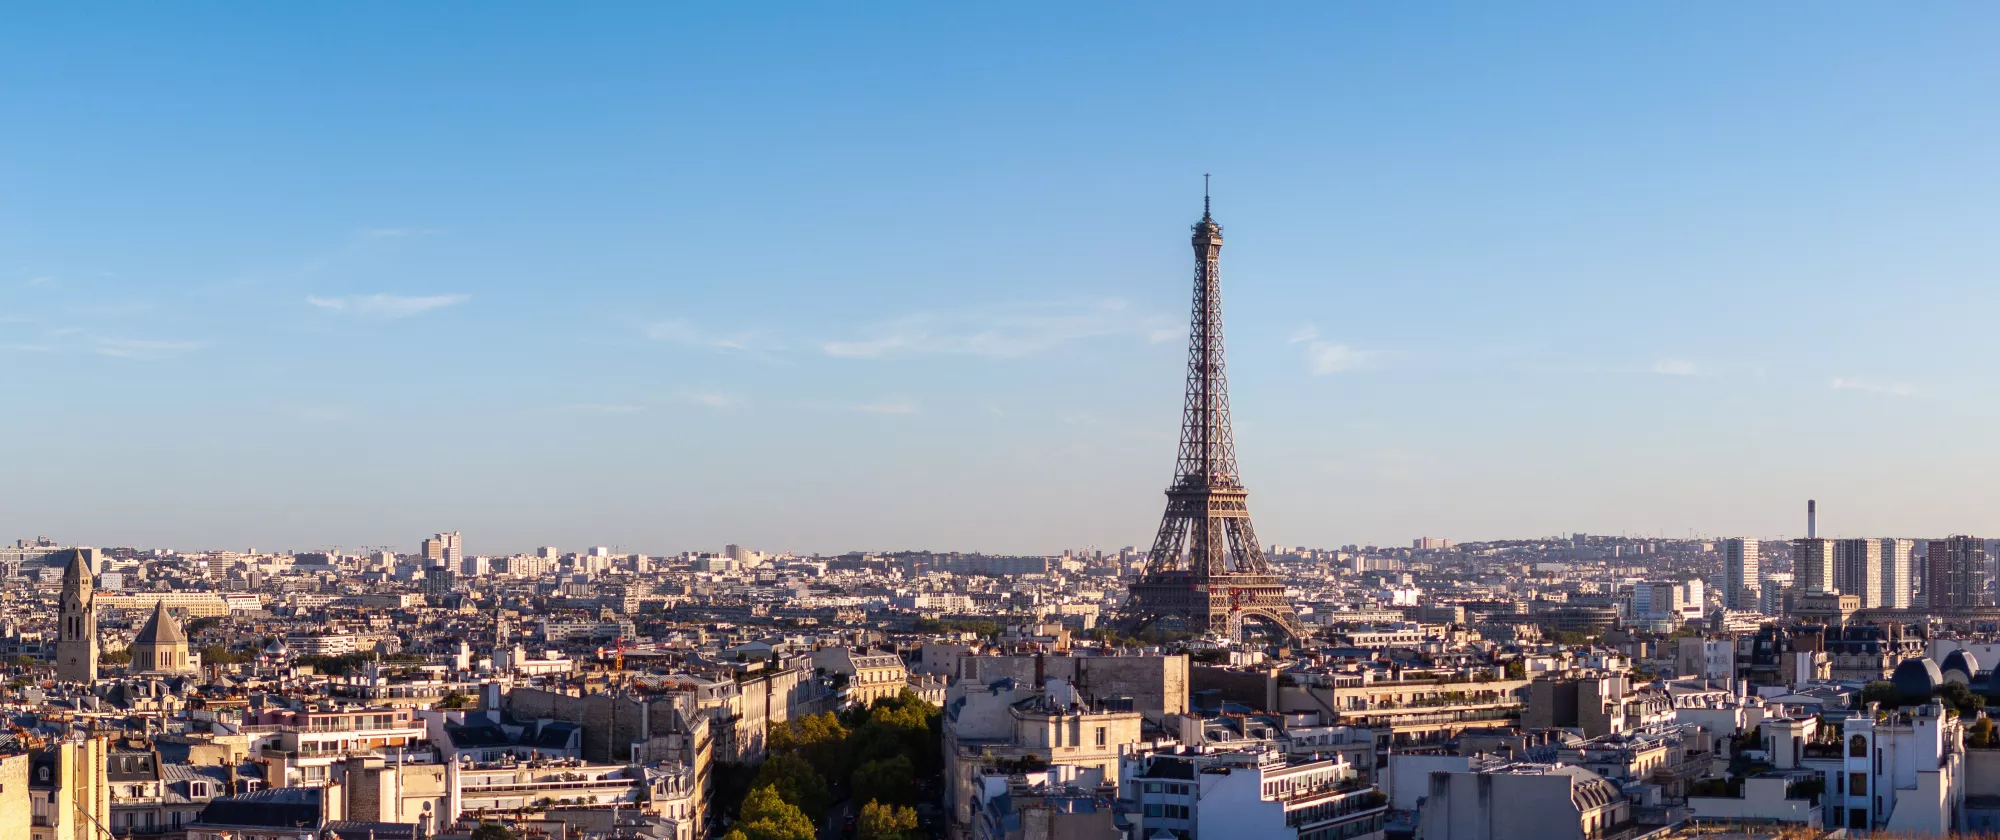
(1206, 571)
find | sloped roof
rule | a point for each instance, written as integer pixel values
(161, 629)
(273, 807)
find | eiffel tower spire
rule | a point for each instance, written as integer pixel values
(1206, 565)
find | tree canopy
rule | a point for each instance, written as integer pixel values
(1880, 691)
(886, 822)
(767, 816)
(796, 782)
(892, 780)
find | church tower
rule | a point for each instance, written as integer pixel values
(76, 646)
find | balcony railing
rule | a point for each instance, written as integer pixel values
(527, 787)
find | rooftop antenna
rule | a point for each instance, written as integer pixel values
(1204, 195)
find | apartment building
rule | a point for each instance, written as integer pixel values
(1195, 793)
(1007, 723)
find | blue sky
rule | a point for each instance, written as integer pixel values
(916, 276)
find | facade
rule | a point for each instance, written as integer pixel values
(1857, 566)
(76, 643)
(1674, 602)
(1708, 659)
(444, 549)
(992, 726)
(1813, 567)
(303, 748)
(1866, 653)
(1740, 574)
(1250, 793)
(1042, 806)
(1897, 585)
(870, 675)
(1598, 704)
(1522, 802)
(1955, 574)
(1902, 773)
(514, 785)
(190, 604)
(69, 795)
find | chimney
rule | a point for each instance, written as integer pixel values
(1812, 519)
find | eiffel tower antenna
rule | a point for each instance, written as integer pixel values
(1206, 562)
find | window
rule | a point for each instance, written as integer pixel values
(1857, 784)
(1100, 736)
(1857, 747)
(1152, 809)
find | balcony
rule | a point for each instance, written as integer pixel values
(1347, 805)
(1422, 717)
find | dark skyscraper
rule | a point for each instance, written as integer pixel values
(1955, 574)
(1206, 570)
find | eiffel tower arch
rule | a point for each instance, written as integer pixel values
(1206, 571)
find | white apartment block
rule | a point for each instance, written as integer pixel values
(1741, 574)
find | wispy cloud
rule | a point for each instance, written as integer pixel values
(1326, 357)
(31, 348)
(140, 348)
(897, 406)
(684, 331)
(711, 399)
(385, 306)
(1894, 389)
(1675, 367)
(602, 408)
(1003, 331)
(40, 281)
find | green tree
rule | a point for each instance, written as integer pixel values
(221, 655)
(796, 782)
(1957, 696)
(823, 742)
(886, 822)
(903, 725)
(1517, 670)
(736, 834)
(1980, 734)
(492, 831)
(1880, 691)
(767, 816)
(454, 700)
(892, 780)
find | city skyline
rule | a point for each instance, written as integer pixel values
(667, 280)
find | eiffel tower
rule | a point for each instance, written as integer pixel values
(1206, 572)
